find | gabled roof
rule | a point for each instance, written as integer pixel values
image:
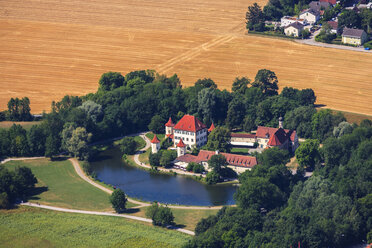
(268, 132)
(181, 144)
(243, 135)
(187, 158)
(333, 24)
(155, 140)
(189, 123)
(311, 11)
(279, 138)
(169, 123)
(232, 159)
(353, 32)
(211, 128)
(316, 5)
(171, 136)
(296, 25)
(333, 2)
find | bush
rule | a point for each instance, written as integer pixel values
(118, 200)
(368, 44)
(4, 201)
(154, 159)
(212, 177)
(161, 216)
(198, 168)
(128, 145)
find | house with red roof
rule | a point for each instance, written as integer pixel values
(190, 129)
(155, 144)
(238, 163)
(277, 137)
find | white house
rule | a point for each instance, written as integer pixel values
(192, 131)
(294, 29)
(311, 16)
(287, 20)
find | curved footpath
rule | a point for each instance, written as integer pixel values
(102, 214)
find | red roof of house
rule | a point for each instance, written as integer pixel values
(232, 159)
(188, 158)
(171, 136)
(279, 138)
(189, 123)
(267, 132)
(155, 139)
(333, 24)
(169, 123)
(333, 2)
(243, 135)
(181, 144)
(211, 128)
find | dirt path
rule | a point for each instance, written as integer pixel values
(17, 159)
(102, 214)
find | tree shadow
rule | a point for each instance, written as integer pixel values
(32, 194)
(131, 210)
(56, 159)
(99, 158)
(319, 105)
(178, 226)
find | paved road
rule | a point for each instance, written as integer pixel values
(103, 214)
(312, 42)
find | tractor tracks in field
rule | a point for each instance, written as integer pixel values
(192, 53)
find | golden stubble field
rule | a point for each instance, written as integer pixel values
(51, 48)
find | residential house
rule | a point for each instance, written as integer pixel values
(294, 29)
(192, 131)
(318, 6)
(354, 36)
(287, 20)
(334, 27)
(311, 16)
(277, 137)
(238, 163)
(333, 2)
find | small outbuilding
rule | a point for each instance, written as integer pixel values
(334, 27)
(354, 36)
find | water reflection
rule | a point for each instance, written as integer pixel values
(156, 187)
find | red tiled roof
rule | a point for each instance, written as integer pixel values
(189, 123)
(211, 128)
(171, 136)
(333, 2)
(270, 131)
(279, 138)
(333, 24)
(232, 159)
(169, 123)
(243, 135)
(188, 158)
(155, 139)
(181, 144)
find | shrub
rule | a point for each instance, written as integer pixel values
(161, 216)
(198, 168)
(212, 177)
(128, 145)
(4, 201)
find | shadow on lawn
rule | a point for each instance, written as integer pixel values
(33, 193)
(131, 211)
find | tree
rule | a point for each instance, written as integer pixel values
(212, 177)
(161, 216)
(267, 81)
(93, 110)
(254, 18)
(24, 179)
(349, 19)
(342, 129)
(300, 119)
(36, 140)
(323, 122)
(51, 146)
(240, 85)
(219, 139)
(258, 193)
(118, 200)
(110, 80)
(206, 83)
(157, 124)
(76, 142)
(206, 104)
(167, 157)
(307, 153)
(154, 159)
(4, 201)
(128, 145)
(236, 112)
(217, 163)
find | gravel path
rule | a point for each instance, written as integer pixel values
(103, 214)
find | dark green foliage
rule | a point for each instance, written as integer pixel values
(161, 216)
(36, 140)
(307, 154)
(217, 163)
(300, 120)
(206, 83)
(236, 112)
(166, 143)
(118, 200)
(128, 145)
(212, 177)
(323, 123)
(267, 81)
(219, 139)
(349, 19)
(240, 85)
(110, 80)
(51, 146)
(19, 109)
(154, 159)
(157, 124)
(15, 184)
(205, 223)
(255, 18)
(198, 168)
(167, 157)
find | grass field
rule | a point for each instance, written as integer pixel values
(25, 124)
(48, 50)
(59, 185)
(30, 227)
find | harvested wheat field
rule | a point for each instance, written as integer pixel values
(51, 48)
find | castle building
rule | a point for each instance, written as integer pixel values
(189, 129)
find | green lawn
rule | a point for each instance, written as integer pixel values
(241, 151)
(31, 227)
(150, 135)
(25, 124)
(59, 185)
(144, 157)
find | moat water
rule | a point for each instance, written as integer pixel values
(141, 184)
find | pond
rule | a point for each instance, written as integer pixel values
(141, 184)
